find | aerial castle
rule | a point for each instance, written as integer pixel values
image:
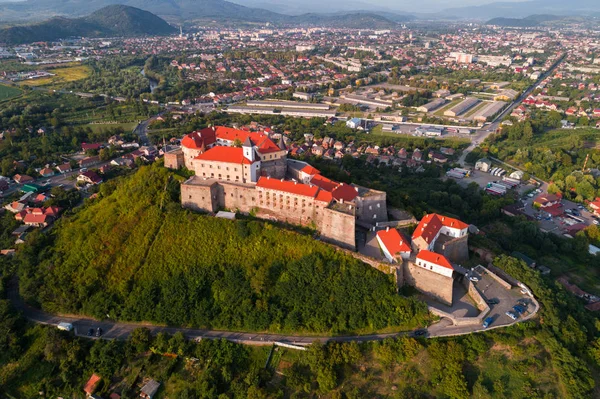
(247, 172)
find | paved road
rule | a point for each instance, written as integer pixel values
(482, 134)
(121, 330)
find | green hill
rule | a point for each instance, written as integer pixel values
(135, 254)
(114, 20)
(352, 21)
(528, 22)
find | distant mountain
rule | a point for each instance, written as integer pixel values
(352, 21)
(114, 20)
(175, 10)
(187, 10)
(523, 9)
(294, 7)
(527, 22)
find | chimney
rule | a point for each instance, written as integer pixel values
(401, 242)
(387, 228)
(443, 218)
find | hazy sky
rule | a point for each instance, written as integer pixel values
(414, 5)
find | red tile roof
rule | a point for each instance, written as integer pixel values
(595, 204)
(90, 146)
(266, 146)
(434, 258)
(90, 386)
(309, 170)
(324, 183)
(197, 139)
(288, 186)
(394, 241)
(431, 224)
(544, 199)
(225, 154)
(344, 192)
(324, 196)
(33, 218)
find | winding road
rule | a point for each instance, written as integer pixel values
(121, 330)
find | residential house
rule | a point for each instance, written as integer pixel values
(546, 200)
(89, 177)
(89, 161)
(46, 172)
(37, 220)
(595, 206)
(64, 168)
(91, 146)
(417, 155)
(15, 207)
(149, 389)
(21, 179)
(123, 161)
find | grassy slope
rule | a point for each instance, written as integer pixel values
(127, 257)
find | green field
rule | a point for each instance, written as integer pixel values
(8, 92)
(61, 75)
(127, 126)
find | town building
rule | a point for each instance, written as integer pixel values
(483, 165)
(427, 261)
(257, 178)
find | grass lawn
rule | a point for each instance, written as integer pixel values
(8, 92)
(62, 75)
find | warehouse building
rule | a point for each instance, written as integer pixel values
(462, 107)
(432, 105)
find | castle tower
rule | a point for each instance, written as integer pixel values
(248, 148)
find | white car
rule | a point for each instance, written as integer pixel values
(511, 315)
(474, 278)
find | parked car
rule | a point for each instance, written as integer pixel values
(511, 315)
(64, 326)
(474, 278)
(419, 333)
(90, 332)
(519, 309)
(487, 322)
(98, 332)
(493, 301)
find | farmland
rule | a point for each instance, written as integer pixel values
(67, 74)
(8, 92)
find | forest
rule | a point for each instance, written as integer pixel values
(134, 254)
(555, 356)
(554, 155)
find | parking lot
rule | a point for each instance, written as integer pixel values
(492, 290)
(558, 224)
